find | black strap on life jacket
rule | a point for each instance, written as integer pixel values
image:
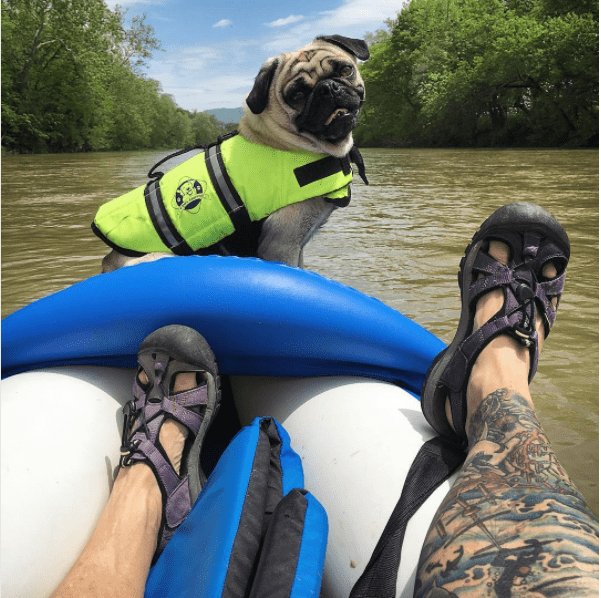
(341, 202)
(162, 222)
(320, 169)
(436, 460)
(356, 157)
(222, 183)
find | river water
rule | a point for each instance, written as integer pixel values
(400, 240)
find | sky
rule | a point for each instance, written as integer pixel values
(212, 51)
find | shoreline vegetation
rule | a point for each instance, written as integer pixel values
(484, 73)
(73, 81)
(444, 73)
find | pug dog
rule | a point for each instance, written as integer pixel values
(309, 99)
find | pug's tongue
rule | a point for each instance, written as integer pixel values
(336, 113)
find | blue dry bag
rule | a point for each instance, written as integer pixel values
(253, 532)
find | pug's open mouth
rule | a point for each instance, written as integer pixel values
(336, 114)
(339, 124)
(330, 120)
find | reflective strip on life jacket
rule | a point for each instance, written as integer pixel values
(224, 188)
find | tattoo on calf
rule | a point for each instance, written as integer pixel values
(513, 524)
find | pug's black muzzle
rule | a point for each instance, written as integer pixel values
(332, 110)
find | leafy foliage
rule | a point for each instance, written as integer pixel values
(484, 73)
(72, 80)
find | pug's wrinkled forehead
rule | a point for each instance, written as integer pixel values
(315, 62)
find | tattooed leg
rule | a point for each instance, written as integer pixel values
(513, 524)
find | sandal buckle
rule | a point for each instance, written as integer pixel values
(524, 292)
(524, 337)
(127, 451)
(129, 413)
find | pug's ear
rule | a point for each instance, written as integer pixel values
(356, 47)
(259, 95)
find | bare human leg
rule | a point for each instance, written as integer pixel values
(116, 560)
(513, 524)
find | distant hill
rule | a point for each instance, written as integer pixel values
(226, 115)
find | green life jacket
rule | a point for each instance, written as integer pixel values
(230, 185)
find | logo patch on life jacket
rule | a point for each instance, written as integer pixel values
(189, 194)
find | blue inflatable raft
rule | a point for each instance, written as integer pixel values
(341, 372)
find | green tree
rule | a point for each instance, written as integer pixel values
(484, 72)
(54, 53)
(72, 77)
(136, 43)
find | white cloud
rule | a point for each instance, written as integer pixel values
(226, 91)
(358, 12)
(194, 75)
(184, 62)
(287, 21)
(230, 54)
(352, 18)
(222, 23)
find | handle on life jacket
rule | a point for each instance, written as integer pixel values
(200, 146)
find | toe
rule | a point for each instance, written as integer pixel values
(499, 251)
(490, 303)
(549, 272)
(184, 381)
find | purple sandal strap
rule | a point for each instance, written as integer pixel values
(194, 396)
(495, 273)
(177, 411)
(178, 504)
(456, 372)
(177, 405)
(545, 291)
(176, 490)
(147, 451)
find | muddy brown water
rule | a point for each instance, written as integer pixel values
(400, 240)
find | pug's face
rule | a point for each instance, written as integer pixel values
(310, 98)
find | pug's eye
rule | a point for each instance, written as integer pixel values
(298, 96)
(346, 70)
(298, 93)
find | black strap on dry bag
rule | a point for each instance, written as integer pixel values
(436, 460)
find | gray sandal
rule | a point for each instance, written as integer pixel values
(162, 355)
(534, 238)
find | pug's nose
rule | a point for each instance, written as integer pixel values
(329, 87)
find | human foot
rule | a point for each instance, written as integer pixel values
(504, 362)
(502, 303)
(173, 434)
(176, 397)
